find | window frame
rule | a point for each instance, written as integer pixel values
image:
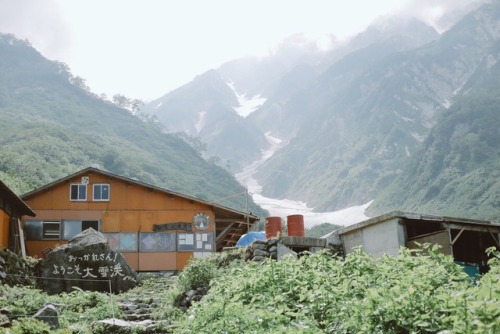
(94, 192)
(45, 232)
(78, 199)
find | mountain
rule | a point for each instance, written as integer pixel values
(214, 107)
(52, 126)
(204, 108)
(370, 111)
(356, 123)
(457, 171)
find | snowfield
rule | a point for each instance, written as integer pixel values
(284, 207)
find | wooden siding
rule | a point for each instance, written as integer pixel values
(4, 229)
(131, 208)
(441, 238)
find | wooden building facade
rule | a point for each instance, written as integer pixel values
(12, 208)
(154, 228)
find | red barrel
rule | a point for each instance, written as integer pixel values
(295, 225)
(273, 227)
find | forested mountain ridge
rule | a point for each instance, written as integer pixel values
(52, 126)
(369, 117)
(457, 171)
(355, 118)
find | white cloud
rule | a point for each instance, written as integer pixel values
(143, 49)
(440, 14)
(40, 22)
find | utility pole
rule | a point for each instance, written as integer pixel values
(246, 209)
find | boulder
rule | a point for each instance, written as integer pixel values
(85, 262)
(284, 251)
(48, 314)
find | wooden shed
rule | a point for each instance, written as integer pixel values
(464, 239)
(154, 228)
(12, 208)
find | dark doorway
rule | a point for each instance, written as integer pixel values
(470, 247)
(86, 224)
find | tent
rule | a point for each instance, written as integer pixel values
(247, 239)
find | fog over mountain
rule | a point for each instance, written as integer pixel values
(350, 120)
(51, 126)
(403, 116)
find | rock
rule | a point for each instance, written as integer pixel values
(285, 251)
(4, 320)
(48, 314)
(130, 307)
(190, 293)
(85, 262)
(115, 326)
(259, 258)
(196, 298)
(272, 242)
(259, 245)
(260, 252)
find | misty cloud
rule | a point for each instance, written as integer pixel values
(441, 14)
(40, 22)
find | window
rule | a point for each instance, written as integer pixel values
(101, 192)
(78, 192)
(64, 229)
(70, 228)
(33, 229)
(51, 230)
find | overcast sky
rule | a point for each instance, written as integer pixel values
(145, 48)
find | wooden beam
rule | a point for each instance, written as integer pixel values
(227, 220)
(478, 228)
(21, 238)
(458, 236)
(496, 241)
(223, 233)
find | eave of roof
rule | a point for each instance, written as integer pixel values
(20, 207)
(414, 216)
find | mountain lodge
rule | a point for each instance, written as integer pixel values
(154, 228)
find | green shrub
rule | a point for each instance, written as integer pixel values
(419, 291)
(29, 326)
(86, 307)
(22, 301)
(198, 273)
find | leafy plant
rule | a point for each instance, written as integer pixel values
(29, 326)
(86, 307)
(419, 291)
(197, 274)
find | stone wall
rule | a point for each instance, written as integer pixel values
(276, 248)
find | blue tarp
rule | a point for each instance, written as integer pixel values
(247, 239)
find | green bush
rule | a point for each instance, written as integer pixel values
(86, 307)
(419, 291)
(29, 326)
(22, 301)
(198, 273)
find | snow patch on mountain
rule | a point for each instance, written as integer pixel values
(246, 178)
(246, 105)
(201, 121)
(284, 207)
